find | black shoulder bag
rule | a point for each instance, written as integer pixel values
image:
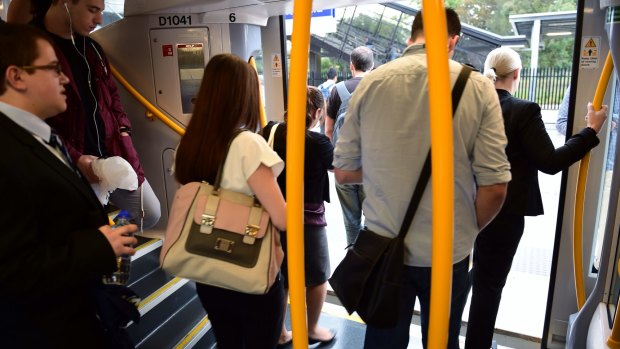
(369, 278)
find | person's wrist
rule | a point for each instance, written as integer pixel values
(593, 129)
(125, 129)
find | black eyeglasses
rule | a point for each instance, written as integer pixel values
(53, 66)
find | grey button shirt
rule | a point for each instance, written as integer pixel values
(386, 131)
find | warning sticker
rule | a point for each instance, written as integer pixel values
(276, 65)
(590, 47)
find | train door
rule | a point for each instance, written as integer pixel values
(563, 325)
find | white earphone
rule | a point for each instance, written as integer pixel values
(70, 22)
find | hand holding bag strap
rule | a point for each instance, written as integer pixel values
(425, 174)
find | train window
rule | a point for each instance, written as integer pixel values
(191, 67)
(114, 11)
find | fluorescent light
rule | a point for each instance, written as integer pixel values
(559, 33)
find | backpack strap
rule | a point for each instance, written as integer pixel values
(343, 93)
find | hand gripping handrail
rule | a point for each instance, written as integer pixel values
(442, 164)
(581, 189)
(150, 108)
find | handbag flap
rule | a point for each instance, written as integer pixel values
(231, 211)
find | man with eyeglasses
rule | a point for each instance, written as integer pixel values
(55, 243)
(95, 124)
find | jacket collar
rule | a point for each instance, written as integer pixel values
(23, 137)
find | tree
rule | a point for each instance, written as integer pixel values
(493, 15)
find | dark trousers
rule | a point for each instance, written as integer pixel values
(243, 320)
(417, 283)
(494, 250)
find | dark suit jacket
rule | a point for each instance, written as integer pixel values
(51, 253)
(530, 149)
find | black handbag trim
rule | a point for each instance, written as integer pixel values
(221, 244)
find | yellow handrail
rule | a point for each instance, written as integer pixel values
(295, 143)
(150, 108)
(442, 161)
(581, 190)
(263, 117)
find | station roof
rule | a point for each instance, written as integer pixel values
(559, 24)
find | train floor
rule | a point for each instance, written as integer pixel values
(350, 331)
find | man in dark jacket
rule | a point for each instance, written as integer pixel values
(95, 124)
(55, 244)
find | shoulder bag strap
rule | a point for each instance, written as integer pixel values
(457, 92)
(272, 135)
(218, 178)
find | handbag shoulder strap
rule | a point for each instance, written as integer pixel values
(457, 92)
(272, 135)
(218, 178)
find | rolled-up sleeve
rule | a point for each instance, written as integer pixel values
(490, 164)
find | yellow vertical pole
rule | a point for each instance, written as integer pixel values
(435, 32)
(580, 193)
(263, 117)
(295, 142)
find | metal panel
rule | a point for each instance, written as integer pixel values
(562, 292)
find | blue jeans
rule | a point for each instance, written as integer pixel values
(351, 197)
(417, 283)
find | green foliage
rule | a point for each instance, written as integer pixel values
(557, 53)
(492, 15)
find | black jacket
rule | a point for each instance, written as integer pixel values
(531, 150)
(51, 253)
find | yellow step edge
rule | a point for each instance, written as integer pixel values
(158, 293)
(192, 334)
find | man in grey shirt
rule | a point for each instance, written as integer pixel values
(383, 144)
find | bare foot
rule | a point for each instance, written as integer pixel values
(321, 334)
(285, 337)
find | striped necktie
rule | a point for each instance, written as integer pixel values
(56, 142)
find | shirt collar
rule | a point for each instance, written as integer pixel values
(27, 121)
(415, 49)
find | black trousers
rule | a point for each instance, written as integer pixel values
(494, 251)
(244, 321)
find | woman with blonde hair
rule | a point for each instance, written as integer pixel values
(529, 150)
(228, 103)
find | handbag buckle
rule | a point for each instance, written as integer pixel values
(224, 245)
(207, 220)
(252, 230)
